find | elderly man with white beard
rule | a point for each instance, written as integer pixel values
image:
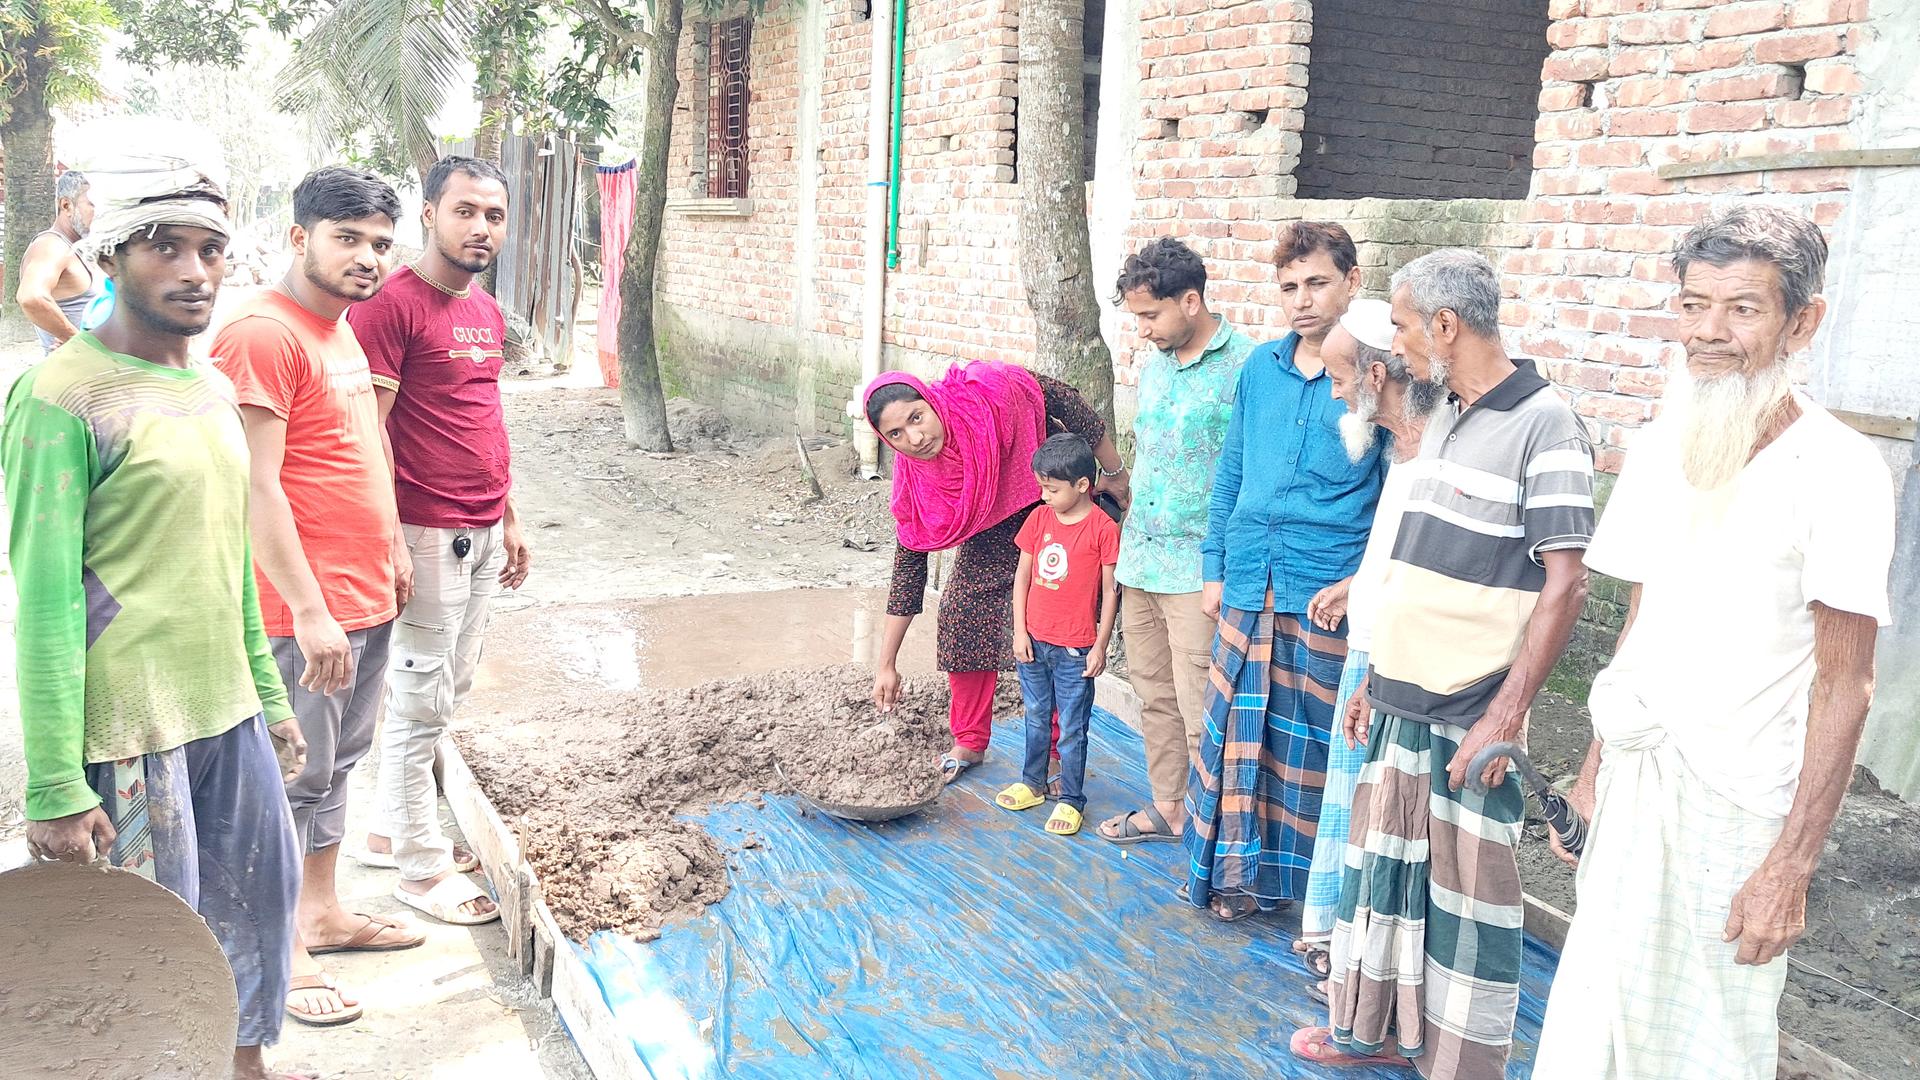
(1383, 401)
(1757, 532)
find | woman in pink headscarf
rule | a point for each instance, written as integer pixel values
(963, 478)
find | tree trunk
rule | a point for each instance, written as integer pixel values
(1056, 258)
(28, 139)
(486, 146)
(493, 124)
(643, 402)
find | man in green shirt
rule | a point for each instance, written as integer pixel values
(1185, 402)
(146, 683)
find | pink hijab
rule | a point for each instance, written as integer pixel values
(995, 419)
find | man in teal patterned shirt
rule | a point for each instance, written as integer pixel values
(1186, 399)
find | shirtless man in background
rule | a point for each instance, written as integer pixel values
(56, 284)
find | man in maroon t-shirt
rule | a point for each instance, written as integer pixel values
(434, 340)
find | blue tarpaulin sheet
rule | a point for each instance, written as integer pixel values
(967, 942)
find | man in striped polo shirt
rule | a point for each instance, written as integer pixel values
(1480, 595)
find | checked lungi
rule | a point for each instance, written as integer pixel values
(1336, 813)
(1427, 943)
(1647, 986)
(1253, 798)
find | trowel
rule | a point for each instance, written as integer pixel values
(1567, 825)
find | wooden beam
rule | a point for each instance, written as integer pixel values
(1887, 427)
(1809, 159)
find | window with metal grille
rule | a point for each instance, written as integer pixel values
(727, 108)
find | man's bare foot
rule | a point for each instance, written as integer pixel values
(479, 905)
(337, 927)
(249, 1064)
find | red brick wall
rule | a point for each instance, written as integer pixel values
(1632, 85)
(1629, 86)
(957, 292)
(742, 265)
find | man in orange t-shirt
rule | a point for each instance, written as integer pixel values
(325, 532)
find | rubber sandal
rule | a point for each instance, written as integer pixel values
(365, 938)
(1316, 1045)
(1065, 820)
(1019, 797)
(951, 767)
(1219, 909)
(1315, 993)
(384, 860)
(346, 1014)
(443, 901)
(1318, 962)
(1131, 834)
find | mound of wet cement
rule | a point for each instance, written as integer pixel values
(593, 782)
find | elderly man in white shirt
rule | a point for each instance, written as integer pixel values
(1757, 531)
(1383, 400)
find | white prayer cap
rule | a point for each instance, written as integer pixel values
(1371, 323)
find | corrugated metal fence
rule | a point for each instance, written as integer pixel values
(538, 275)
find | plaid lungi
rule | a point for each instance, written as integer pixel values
(1253, 798)
(1646, 986)
(1336, 810)
(1426, 947)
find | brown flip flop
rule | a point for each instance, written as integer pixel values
(346, 1014)
(363, 939)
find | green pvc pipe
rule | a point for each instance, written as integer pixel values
(899, 94)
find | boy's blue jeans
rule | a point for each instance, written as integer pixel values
(1057, 681)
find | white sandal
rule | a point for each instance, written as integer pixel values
(384, 860)
(443, 901)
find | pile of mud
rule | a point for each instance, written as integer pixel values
(593, 783)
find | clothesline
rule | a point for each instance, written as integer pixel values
(1811, 970)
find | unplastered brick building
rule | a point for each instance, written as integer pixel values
(1573, 141)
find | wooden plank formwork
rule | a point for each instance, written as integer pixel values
(534, 940)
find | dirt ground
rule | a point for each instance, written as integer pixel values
(1863, 911)
(730, 516)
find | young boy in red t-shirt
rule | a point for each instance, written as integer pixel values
(1063, 610)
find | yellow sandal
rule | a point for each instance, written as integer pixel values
(1065, 820)
(1019, 797)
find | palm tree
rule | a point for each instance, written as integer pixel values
(348, 77)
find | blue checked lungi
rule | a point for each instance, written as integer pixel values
(1253, 797)
(1336, 809)
(209, 821)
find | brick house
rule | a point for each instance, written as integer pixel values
(1571, 140)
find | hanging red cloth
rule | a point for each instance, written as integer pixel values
(616, 222)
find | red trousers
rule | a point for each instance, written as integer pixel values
(971, 715)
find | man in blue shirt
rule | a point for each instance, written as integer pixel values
(1287, 524)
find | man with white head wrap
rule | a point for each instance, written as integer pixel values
(147, 688)
(1756, 530)
(1378, 392)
